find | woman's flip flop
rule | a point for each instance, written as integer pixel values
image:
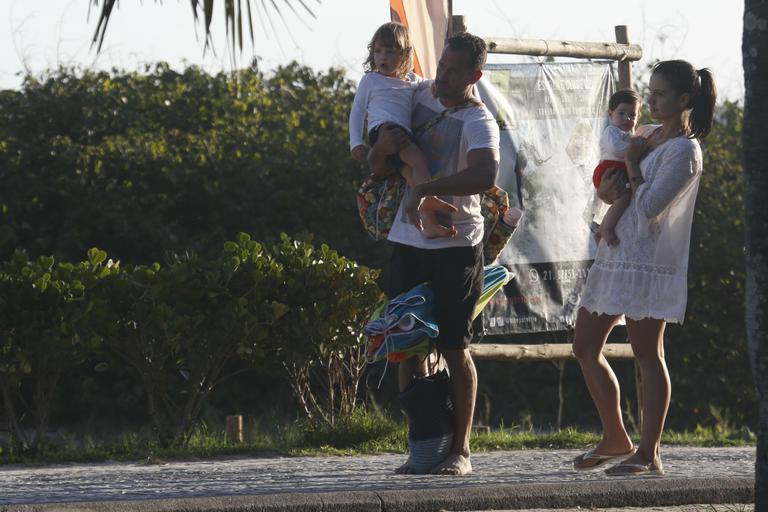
(592, 460)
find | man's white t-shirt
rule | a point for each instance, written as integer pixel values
(445, 146)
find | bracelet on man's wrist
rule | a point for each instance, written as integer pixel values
(637, 180)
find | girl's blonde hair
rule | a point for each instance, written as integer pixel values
(392, 35)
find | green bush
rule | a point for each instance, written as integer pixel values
(52, 318)
(143, 164)
(320, 342)
(707, 355)
(184, 327)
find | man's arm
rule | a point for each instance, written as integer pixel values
(479, 176)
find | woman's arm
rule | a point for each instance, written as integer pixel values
(678, 166)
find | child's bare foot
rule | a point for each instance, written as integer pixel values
(435, 230)
(430, 226)
(435, 204)
(609, 236)
(456, 464)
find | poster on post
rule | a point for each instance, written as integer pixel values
(551, 116)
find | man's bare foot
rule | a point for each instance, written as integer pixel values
(406, 468)
(456, 464)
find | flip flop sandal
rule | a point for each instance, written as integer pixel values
(599, 459)
(626, 469)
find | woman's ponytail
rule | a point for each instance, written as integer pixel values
(700, 86)
(702, 104)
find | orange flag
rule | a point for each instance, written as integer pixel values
(427, 21)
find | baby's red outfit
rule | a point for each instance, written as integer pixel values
(597, 174)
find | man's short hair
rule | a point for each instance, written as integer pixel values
(627, 96)
(474, 47)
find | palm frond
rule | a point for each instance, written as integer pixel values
(234, 21)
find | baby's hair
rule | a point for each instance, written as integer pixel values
(392, 35)
(627, 96)
(699, 84)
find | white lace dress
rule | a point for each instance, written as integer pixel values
(645, 276)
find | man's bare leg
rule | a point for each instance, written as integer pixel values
(463, 393)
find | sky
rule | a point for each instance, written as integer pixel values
(36, 35)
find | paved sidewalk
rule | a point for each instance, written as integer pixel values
(512, 479)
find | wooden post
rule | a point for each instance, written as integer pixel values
(542, 352)
(235, 429)
(457, 25)
(560, 365)
(625, 66)
(639, 391)
(560, 48)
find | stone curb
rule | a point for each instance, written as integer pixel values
(640, 492)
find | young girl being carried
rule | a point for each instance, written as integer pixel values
(385, 93)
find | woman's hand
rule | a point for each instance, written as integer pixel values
(613, 185)
(637, 147)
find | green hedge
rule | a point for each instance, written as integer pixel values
(143, 164)
(179, 326)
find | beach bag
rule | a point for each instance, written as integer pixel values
(427, 404)
(494, 203)
(377, 203)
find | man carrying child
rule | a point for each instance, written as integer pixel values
(461, 144)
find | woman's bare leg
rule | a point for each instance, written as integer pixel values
(590, 337)
(647, 339)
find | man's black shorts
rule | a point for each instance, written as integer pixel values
(456, 275)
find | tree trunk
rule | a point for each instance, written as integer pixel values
(755, 60)
(18, 438)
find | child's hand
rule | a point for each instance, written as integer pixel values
(637, 146)
(359, 153)
(613, 185)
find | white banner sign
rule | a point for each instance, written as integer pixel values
(551, 116)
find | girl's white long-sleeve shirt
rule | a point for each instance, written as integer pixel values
(384, 99)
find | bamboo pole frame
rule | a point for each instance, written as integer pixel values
(554, 48)
(620, 51)
(542, 352)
